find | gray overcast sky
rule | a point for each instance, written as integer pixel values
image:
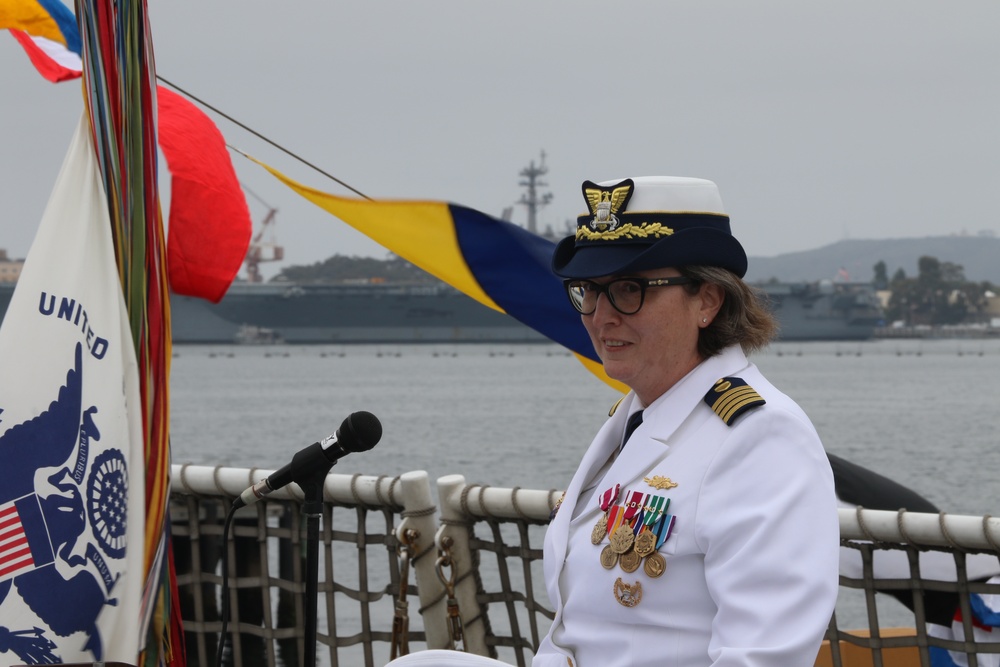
(819, 120)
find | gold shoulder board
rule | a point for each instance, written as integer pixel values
(730, 397)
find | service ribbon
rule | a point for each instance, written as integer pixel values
(657, 507)
(662, 529)
(633, 504)
(615, 518)
(643, 508)
(647, 516)
(609, 497)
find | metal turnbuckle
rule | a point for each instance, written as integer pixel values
(401, 619)
(454, 617)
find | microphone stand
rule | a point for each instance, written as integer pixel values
(309, 468)
(311, 482)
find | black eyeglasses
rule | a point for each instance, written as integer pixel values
(625, 294)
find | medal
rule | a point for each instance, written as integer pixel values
(633, 504)
(629, 561)
(654, 565)
(608, 557)
(643, 510)
(628, 595)
(609, 496)
(636, 529)
(555, 509)
(622, 539)
(663, 528)
(615, 518)
(600, 529)
(657, 506)
(645, 544)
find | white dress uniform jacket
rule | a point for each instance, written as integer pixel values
(751, 563)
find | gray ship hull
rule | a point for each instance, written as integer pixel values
(824, 310)
(370, 313)
(382, 313)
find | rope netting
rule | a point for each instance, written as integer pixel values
(916, 589)
(358, 579)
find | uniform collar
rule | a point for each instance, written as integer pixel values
(649, 444)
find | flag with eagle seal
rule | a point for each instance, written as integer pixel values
(71, 444)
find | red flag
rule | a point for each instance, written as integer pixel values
(210, 223)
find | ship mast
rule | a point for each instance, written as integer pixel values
(532, 199)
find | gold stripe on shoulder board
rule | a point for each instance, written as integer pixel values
(614, 408)
(731, 397)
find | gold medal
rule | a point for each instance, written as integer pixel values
(645, 544)
(628, 595)
(608, 557)
(600, 528)
(654, 565)
(621, 539)
(629, 561)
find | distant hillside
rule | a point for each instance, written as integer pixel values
(979, 255)
(340, 268)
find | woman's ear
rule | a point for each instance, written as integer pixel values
(712, 297)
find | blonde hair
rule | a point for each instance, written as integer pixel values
(745, 316)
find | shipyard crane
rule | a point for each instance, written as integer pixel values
(261, 250)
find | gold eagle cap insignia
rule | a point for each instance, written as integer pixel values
(606, 203)
(659, 482)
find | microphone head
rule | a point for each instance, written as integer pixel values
(360, 432)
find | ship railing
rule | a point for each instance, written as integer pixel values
(358, 567)
(398, 574)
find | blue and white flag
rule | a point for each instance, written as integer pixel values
(71, 445)
(985, 623)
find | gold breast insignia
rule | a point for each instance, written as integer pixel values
(659, 482)
(628, 595)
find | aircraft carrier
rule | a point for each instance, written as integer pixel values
(426, 311)
(437, 313)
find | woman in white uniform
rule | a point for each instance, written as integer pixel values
(707, 534)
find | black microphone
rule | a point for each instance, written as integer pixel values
(360, 432)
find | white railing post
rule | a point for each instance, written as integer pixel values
(419, 515)
(455, 526)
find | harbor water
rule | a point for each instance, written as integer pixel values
(919, 411)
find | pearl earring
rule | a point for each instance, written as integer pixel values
(704, 320)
